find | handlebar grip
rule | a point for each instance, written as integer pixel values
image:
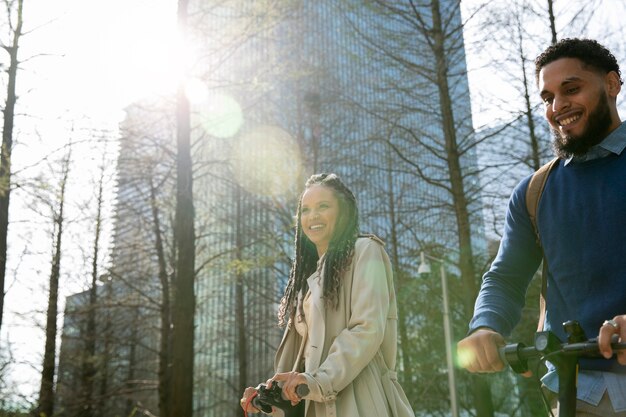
(502, 355)
(266, 398)
(514, 356)
(302, 390)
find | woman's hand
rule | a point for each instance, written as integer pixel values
(290, 381)
(248, 394)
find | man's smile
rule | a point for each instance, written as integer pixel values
(568, 120)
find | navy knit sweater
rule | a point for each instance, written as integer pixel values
(582, 224)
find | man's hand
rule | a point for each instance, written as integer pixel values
(610, 327)
(478, 352)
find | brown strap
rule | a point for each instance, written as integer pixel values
(533, 195)
(533, 192)
(542, 296)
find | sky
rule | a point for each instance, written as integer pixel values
(101, 55)
(85, 60)
(492, 90)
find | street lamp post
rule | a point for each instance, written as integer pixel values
(424, 268)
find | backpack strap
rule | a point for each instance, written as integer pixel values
(533, 195)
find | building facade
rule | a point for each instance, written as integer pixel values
(293, 88)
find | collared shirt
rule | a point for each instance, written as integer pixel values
(591, 385)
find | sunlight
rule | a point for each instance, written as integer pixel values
(196, 91)
(102, 57)
(266, 161)
(112, 54)
(147, 50)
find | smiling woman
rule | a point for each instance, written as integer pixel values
(340, 312)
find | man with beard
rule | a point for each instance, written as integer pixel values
(581, 225)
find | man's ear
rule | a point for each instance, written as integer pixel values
(613, 84)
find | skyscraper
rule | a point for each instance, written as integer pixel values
(294, 88)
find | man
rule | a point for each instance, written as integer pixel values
(581, 222)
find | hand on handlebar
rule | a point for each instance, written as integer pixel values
(291, 381)
(245, 401)
(478, 352)
(616, 326)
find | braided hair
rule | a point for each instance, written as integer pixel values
(338, 255)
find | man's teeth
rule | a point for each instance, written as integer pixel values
(569, 120)
(316, 226)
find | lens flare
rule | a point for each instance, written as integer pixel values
(220, 116)
(464, 357)
(266, 161)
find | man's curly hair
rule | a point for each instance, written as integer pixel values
(338, 256)
(589, 51)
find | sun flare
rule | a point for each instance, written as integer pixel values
(266, 161)
(220, 115)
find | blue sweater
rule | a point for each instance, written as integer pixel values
(582, 224)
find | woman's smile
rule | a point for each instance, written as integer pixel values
(318, 216)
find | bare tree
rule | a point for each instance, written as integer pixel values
(46, 392)
(89, 357)
(423, 50)
(14, 11)
(165, 348)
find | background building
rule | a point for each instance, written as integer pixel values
(293, 88)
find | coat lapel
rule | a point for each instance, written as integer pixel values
(317, 327)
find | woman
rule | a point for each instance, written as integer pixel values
(340, 309)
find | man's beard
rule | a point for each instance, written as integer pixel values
(598, 124)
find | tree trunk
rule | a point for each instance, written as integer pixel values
(240, 308)
(184, 297)
(535, 157)
(482, 397)
(106, 351)
(46, 391)
(551, 17)
(165, 352)
(5, 152)
(130, 407)
(405, 346)
(89, 356)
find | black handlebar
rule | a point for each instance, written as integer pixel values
(268, 397)
(516, 355)
(564, 356)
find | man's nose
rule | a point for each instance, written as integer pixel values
(559, 103)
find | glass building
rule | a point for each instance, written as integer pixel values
(293, 88)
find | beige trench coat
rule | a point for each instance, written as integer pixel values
(350, 367)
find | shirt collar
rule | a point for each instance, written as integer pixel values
(614, 143)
